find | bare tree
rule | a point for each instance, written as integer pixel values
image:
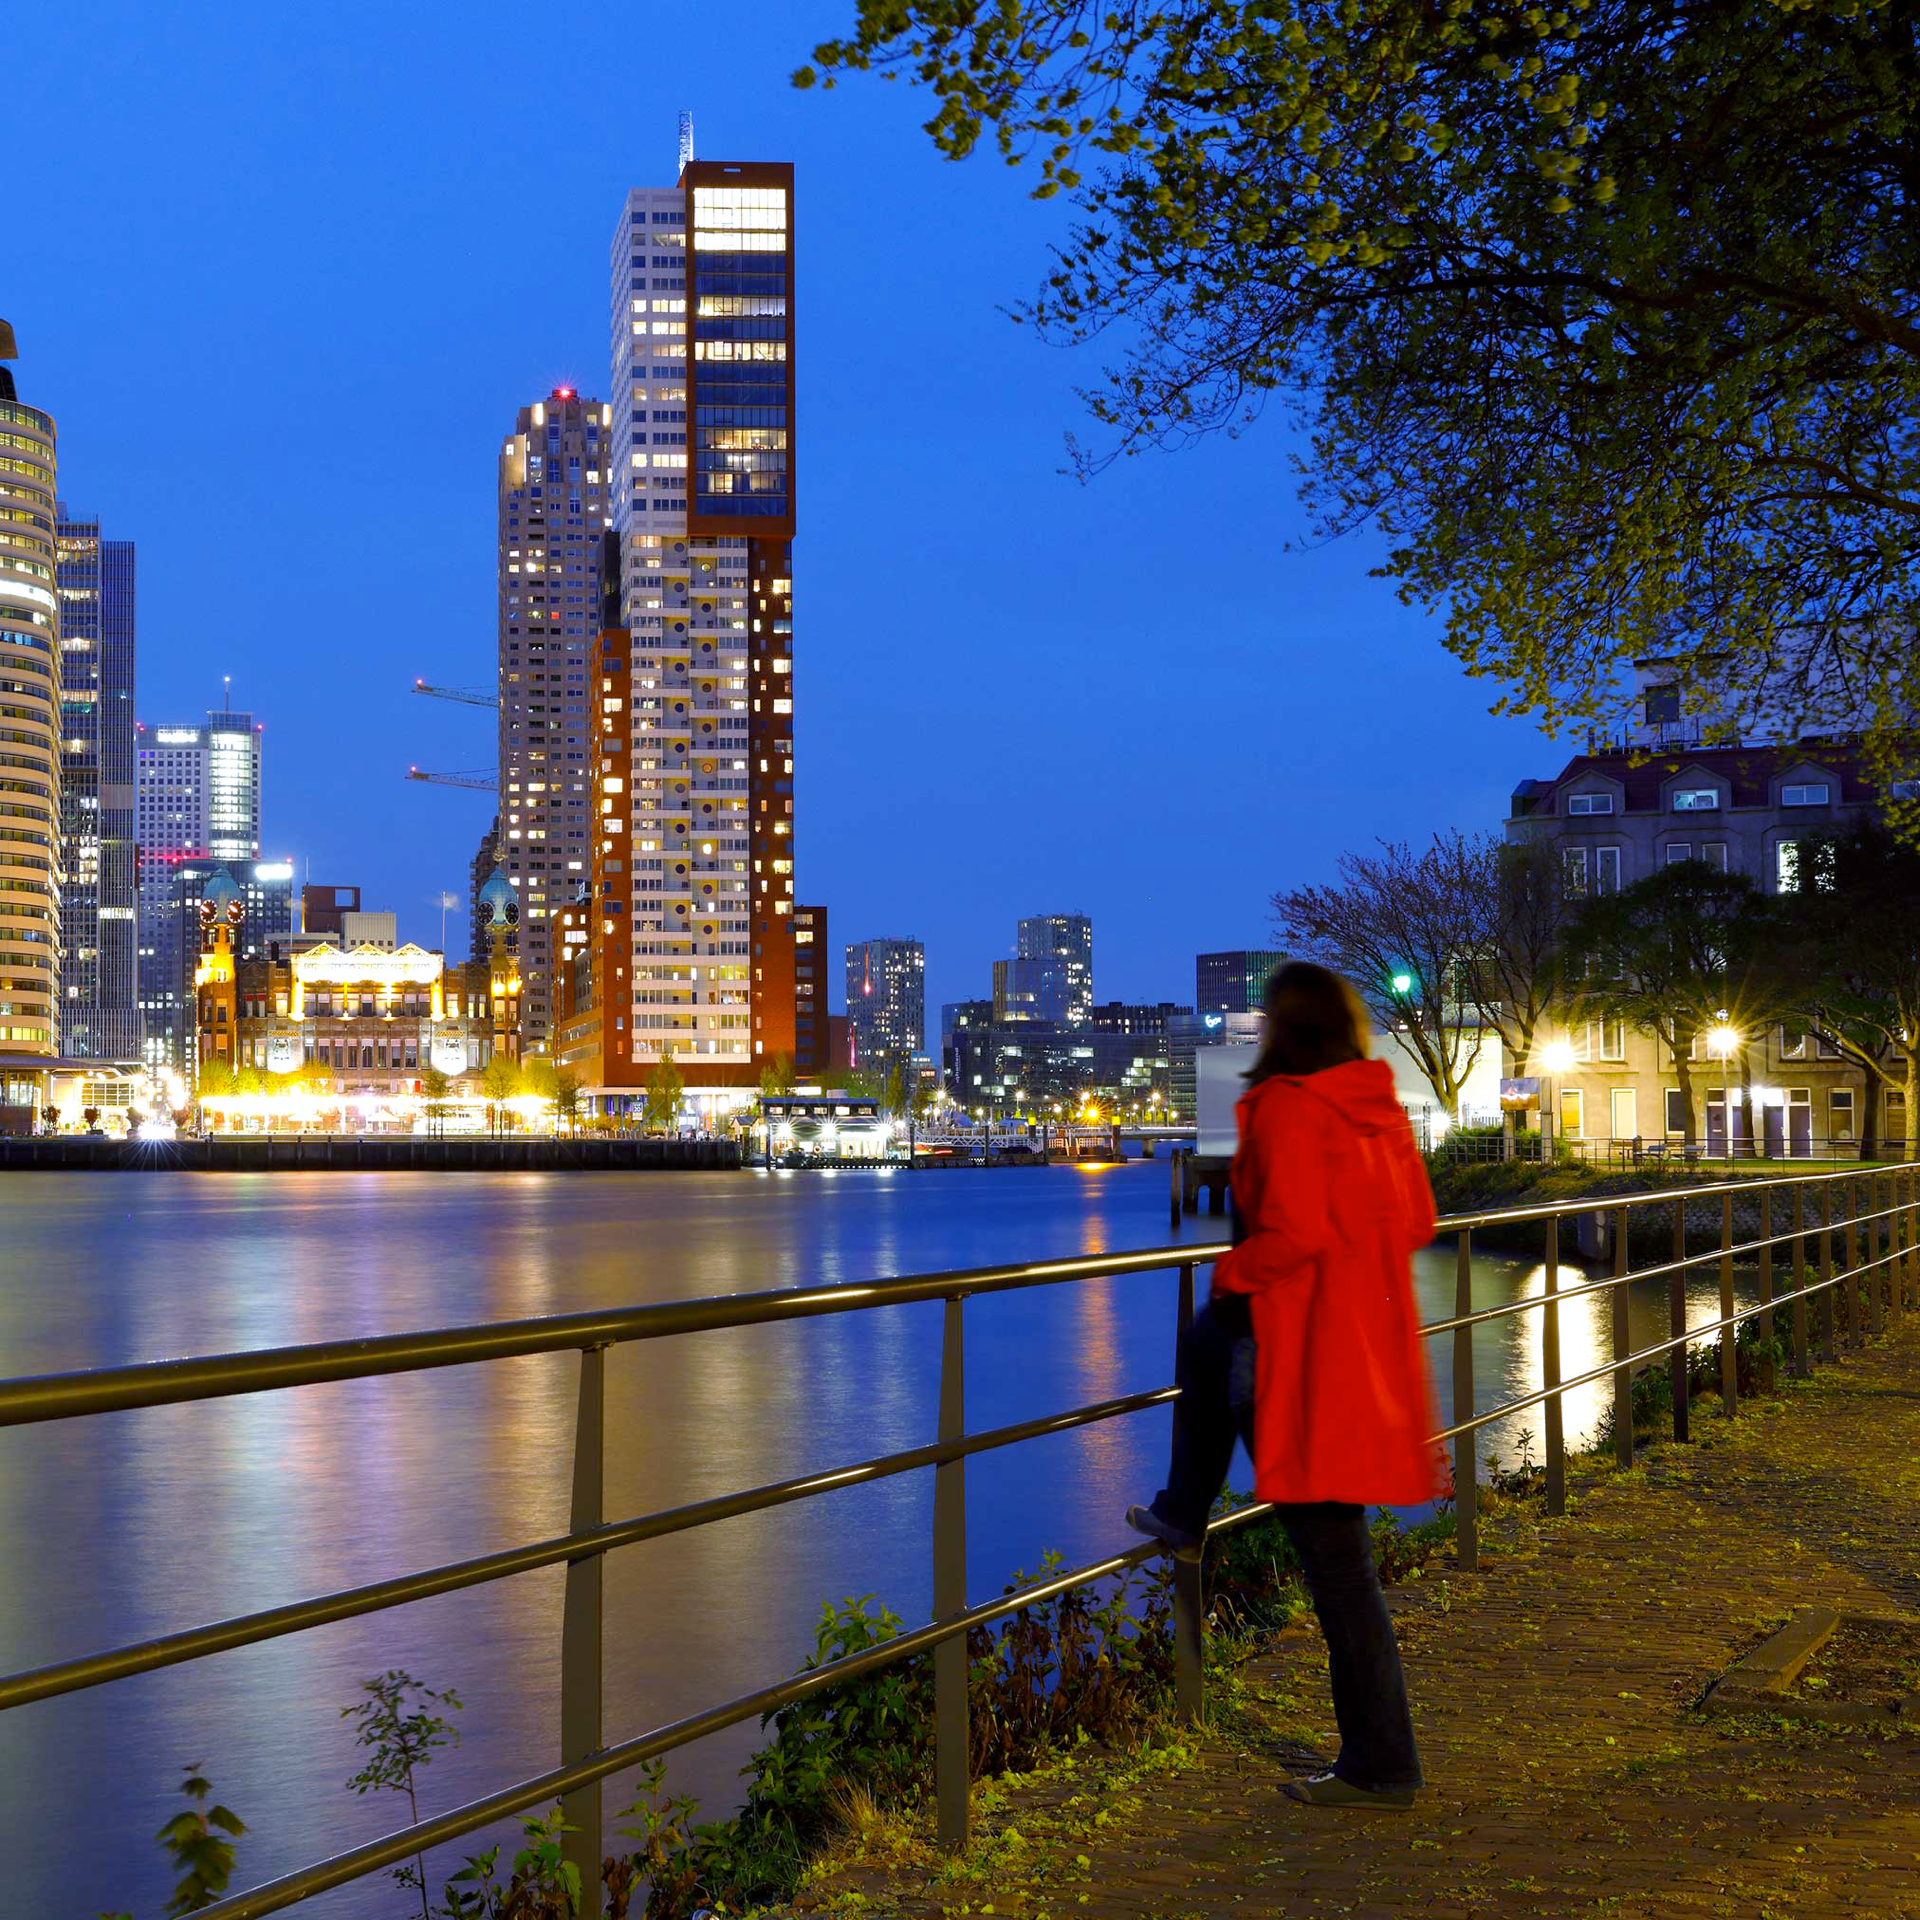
(1411, 931)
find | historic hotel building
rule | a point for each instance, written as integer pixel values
(685, 944)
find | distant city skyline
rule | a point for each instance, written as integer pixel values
(1343, 720)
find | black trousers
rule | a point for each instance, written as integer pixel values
(1215, 1374)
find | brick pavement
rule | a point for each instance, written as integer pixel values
(1555, 1693)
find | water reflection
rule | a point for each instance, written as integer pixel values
(137, 1524)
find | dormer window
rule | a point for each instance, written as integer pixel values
(1813, 794)
(1696, 800)
(1589, 803)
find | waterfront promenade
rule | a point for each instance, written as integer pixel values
(1557, 1695)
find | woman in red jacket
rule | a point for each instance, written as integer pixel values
(1312, 1320)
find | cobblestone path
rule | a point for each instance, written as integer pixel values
(1555, 1692)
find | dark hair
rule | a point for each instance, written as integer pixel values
(1315, 1020)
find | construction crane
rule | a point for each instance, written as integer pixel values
(476, 779)
(467, 696)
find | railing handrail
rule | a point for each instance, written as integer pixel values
(588, 1760)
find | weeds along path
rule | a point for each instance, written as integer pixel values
(1555, 1693)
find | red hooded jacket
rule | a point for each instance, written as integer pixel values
(1333, 1199)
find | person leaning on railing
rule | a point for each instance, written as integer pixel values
(1310, 1350)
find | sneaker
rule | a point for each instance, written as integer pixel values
(1329, 1790)
(1182, 1545)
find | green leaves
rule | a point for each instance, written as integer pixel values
(204, 1860)
(1602, 312)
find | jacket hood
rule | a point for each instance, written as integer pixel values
(1361, 1092)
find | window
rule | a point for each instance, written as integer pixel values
(1840, 1108)
(1793, 1043)
(1613, 1039)
(1573, 1105)
(1574, 868)
(1676, 1111)
(1814, 794)
(1786, 867)
(1678, 850)
(1696, 800)
(1714, 853)
(1589, 803)
(1623, 1113)
(1606, 869)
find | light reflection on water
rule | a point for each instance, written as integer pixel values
(142, 1523)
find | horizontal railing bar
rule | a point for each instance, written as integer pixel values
(1659, 1196)
(1666, 1267)
(1665, 1346)
(404, 1844)
(74, 1676)
(64, 1396)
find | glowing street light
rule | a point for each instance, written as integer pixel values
(1403, 984)
(1555, 1057)
(1723, 1040)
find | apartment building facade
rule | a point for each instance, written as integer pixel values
(99, 908)
(554, 492)
(685, 947)
(1614, 818)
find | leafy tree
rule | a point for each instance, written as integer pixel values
(401, 1726)
(499, 1082)
(1603, 313)
(665, 1084)
(216, 1078)
(1425, 918)
(204, 1859)
(539, 1076)
(776, 1075)
(434, 1090)
(249, 1080)
(1669, 954)
(1853, 958)
(566, 1096)
(894, 1094)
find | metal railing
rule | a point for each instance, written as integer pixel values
(1847, 1311)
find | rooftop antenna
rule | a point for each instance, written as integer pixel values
(686, 138)
(226, 693)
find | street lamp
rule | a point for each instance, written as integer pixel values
(1723, 1039)
(1556, 1057)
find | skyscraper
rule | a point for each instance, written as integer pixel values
(886, 1002)
(553, 514)
(99, 975)
(30, 733)
(1233, 982)
(692, 949)
(1051, 977)
(196, 798)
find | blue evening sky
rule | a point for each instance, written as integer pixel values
(283, 275)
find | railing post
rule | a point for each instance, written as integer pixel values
(1766, 1288)
(1550, 1375)
(1876, 1274)
(1856, 1307)
(580, 1626)
(1913, 1235)
(951, 1738)
(1466, 1446)
(1622, 1344)
(1175, 1158)
(1729, 1344)
(1189, 1617)
(1802, 1359)
(1828, 1310)
(1677, 1322)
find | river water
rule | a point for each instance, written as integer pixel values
(118, 1528)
